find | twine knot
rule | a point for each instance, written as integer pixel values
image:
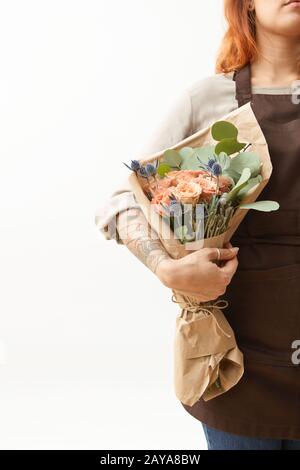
(189, 305)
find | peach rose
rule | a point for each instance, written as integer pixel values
(161, 197)
(188, 186)
(156, 185)
(163, 183)
(208, 186)
(177, 176)
(187, 192)
(225, 183)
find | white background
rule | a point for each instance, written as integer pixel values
(86, 331)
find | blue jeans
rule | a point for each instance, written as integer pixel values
(219, 440)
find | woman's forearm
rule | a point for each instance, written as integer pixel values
(196, 274)
(140, 239)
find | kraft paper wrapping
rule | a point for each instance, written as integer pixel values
(207, 360)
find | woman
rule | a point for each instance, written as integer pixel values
(258, 62)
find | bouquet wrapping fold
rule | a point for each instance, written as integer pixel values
(207, 360)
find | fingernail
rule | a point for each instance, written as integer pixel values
(236, 249)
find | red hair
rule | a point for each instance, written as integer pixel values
(239, 43)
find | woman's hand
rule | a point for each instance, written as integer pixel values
(198, 275)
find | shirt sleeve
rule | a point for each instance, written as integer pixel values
(175, 126)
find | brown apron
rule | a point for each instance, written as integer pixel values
(264, 294)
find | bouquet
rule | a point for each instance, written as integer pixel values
(194, 195)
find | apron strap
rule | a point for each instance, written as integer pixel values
(243, 88)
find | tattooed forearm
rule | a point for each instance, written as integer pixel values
(140, 239)
(150, 252)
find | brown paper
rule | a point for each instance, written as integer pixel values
(207, 361)
(250, 132)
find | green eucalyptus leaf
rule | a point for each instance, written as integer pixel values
(265, 206)
(191, 162)
(224, 160)
(251, 183)
(229, 146)
(172, 158)
(233, 182)
(186, 152)
(246, 160)
(163, 169)
(233, 174)
(244, 178)
(224, 130)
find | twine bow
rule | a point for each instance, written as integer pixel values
(188, 305)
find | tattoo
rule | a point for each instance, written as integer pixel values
(140, 239)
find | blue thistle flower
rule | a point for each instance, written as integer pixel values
(134, 165)
(216, 169)
(150, 169)
(208, 166)
(143, 171)
(211, 163)
(213, 166)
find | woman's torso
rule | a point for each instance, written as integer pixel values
(264, 293)
(273, 239)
